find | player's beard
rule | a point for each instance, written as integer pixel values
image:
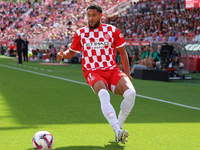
(95, 26)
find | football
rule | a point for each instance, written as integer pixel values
(43, 140)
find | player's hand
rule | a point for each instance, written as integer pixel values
(60, 56)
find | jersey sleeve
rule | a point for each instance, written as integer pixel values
(76, 43)
(119, 40)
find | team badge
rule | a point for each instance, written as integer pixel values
(107, 36)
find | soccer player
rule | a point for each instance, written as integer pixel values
(98, 42)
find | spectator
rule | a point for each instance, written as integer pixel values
(135, 60)
(4, 49)
(175, 63)
(158, 38)
(172, 37)
(40, 54)
(197, 37)
(11, 50)
(158, 63)
(182, 39)
(153, 58)
(145, 56)
(1, 48)
(53, 52)
(141, 53)
(35, 54)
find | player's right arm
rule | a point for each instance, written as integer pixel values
(67, 55)
(74, 48)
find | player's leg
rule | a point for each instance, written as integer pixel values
(125, 88)
(120, 84)
(98, 82)
(107, 109)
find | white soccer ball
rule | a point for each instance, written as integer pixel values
(43, 140)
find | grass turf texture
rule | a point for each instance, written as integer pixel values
(71, 112)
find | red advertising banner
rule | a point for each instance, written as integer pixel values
(138, 43)
(189, 4)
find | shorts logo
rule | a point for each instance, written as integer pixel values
(91, 78)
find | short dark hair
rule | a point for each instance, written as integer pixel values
(95, 6)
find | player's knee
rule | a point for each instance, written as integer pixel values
(130, 95)
(128, 102)
(104, 95)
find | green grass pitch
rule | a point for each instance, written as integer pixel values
(36, 97)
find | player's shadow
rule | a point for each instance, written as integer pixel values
(111, 146)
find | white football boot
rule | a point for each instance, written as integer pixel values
(122, 136)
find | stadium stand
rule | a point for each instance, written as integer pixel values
(143, 21)
(54, 22)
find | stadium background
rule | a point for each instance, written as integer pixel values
(37, 97)
(54, 22)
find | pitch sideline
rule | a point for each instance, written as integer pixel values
(151, 98)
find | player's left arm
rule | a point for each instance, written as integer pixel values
(119, 43)
(125, 61)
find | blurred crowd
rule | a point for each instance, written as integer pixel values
(156, 5)
(173, 26)
(57, 20)
(45, 21)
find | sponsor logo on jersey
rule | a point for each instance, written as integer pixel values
(97, 45)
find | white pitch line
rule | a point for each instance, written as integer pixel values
(151, 98)
(160, 100)
(31, 67)
(43, 74)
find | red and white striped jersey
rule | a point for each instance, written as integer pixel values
(98, 46)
